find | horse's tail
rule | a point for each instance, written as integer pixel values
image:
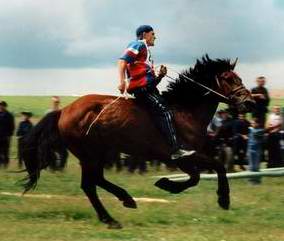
(39, 147)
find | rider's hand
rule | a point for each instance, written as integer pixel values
(122, 87)
(162, 71)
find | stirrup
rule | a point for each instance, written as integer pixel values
(182, 153)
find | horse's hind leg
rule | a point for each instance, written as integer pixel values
(90, 178)
(119, 192)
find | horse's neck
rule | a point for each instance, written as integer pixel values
(201, 114)
(204, 113)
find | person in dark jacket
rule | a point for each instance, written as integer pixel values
(7, 127)
(261, 97)
(240, 132)
(24, 128)
(224, 136)
(225, 131)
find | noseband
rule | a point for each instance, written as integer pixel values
(234, 92)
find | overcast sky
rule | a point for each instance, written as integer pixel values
(72, 46)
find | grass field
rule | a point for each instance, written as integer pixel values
(256, 214)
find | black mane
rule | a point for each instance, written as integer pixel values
(183, 92)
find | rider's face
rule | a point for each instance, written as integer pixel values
(150, 38)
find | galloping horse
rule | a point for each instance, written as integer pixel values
(127, 127)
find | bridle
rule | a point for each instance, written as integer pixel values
(235, 91)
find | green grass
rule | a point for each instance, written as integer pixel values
(256, 214)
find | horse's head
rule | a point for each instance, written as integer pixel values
(218, 77)
(231, 86)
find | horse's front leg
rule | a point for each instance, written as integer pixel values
(223, 190)
(187, 165)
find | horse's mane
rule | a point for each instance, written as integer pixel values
(182, 91)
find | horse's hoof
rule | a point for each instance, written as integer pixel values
(168, 185)
(114, 225)
(224, 202)
(129, 203)
(162, 183)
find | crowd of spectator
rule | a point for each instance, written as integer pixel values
(8, 127)
(233, 138)
(236, 140)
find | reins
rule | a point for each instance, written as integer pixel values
(184, 76)
(125, 95)
(103, 109)
(201, 85)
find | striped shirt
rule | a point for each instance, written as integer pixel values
(140, 67)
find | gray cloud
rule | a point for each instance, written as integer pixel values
(86, 33)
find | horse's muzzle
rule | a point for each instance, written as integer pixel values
(246, 106)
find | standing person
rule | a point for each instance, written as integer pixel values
(59, 159)
(212, 145)
(55, 104)
(136, 64)
(224, 136)
(240, 132)
(261, 97)
(7, 127)
(274, 121)
(233, 111)
(254, 148)
(24, 128)
(215, 123)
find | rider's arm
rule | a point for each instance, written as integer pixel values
(129, 56)
(122, 66)
(161, 74)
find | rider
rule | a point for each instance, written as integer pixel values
(136, 63)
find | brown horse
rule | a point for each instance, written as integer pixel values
(127, 127)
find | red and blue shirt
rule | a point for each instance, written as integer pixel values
(140, 67)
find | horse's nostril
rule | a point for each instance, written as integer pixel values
(249, 105)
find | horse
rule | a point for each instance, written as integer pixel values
(125, 126)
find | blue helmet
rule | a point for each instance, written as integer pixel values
(143, 29)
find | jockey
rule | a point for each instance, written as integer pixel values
(137, 65)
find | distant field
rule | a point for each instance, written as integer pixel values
(36, 104)
(40, 104)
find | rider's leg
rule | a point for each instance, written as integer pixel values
(163, 118)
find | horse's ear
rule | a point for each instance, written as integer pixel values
(207, 57)
(233, 65)
(198, 62)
